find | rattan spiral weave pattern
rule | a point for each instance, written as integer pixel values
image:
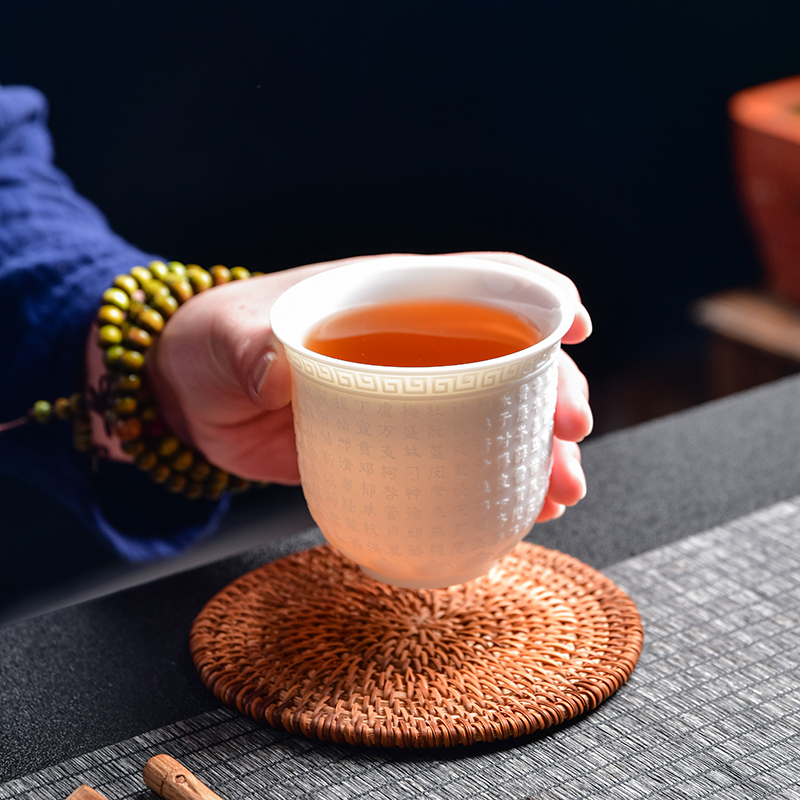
(311, 644)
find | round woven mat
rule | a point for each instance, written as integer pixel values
(311, 644)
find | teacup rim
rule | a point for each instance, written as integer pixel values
(566, 304)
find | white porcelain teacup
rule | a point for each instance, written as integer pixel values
(424, 476)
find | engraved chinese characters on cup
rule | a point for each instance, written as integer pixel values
(424, 485)
(424, 476)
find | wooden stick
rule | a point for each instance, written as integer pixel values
(169, 779)
(85, 792)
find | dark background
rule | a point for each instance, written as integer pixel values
(590, 136)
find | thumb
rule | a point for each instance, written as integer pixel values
(265, 376)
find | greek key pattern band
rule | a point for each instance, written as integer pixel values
(469, 381)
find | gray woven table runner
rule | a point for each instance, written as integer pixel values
(712, 710)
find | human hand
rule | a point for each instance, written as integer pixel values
(221, 379)
(224, 386)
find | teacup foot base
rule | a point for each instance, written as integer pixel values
(311, 644)
(422, 583)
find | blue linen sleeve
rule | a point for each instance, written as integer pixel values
(57, 256)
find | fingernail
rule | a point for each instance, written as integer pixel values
(587, 321)
(589, 416)
(576, 470)
(259, 373)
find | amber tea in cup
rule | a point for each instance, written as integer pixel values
(422, 333)
(423, 393)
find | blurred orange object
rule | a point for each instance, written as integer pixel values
(766, 145)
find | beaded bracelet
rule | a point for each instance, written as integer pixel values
(135, 309)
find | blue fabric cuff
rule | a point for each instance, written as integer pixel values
(57, 256)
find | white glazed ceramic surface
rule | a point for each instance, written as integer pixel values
(425, 477)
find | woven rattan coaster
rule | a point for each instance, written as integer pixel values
(311, 644)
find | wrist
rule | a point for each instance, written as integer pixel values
(95, 370)
(137, 309)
